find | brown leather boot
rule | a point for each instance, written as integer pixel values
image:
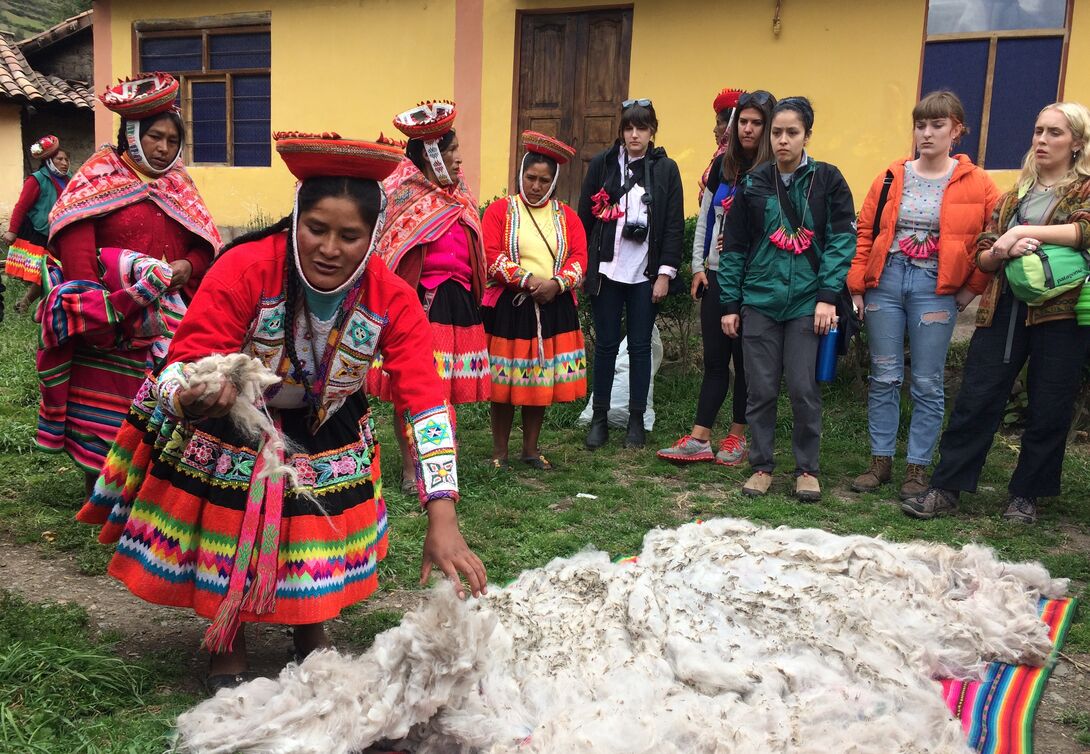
(915, 483)
(880, 472)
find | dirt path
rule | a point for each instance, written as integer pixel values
(54, 577)
(42, 576)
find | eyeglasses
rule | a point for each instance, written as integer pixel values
(758, 98)
(630, 102)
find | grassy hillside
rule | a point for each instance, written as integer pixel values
(25, 18)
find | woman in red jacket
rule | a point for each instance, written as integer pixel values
(537, 255)
(138, 196)
(29, 225)
(914, 269)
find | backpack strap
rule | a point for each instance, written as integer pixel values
(881, 204)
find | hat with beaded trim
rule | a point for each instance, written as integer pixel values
(726, 99)
(309, 155)
(45, 147)
(141, 96)
(549, 146)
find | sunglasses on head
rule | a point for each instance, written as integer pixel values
(758, 98)
(631, 102)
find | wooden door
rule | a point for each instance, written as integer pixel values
(572, 78)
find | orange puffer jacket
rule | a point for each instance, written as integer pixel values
(966, 208)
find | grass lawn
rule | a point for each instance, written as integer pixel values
(515, 519)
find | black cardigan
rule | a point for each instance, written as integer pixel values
(666, 220)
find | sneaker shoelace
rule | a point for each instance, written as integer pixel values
(731, 444)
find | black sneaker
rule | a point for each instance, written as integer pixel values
(1021, 509)
(931, 504)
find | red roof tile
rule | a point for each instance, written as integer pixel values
(19, 81)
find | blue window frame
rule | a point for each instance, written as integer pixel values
(1003, 74)
(226, 92)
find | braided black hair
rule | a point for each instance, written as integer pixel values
(799, 105)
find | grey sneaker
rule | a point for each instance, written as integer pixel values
(931, 504)
(687, 450)
(1021, 509)
(732, 451)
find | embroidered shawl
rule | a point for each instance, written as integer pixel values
(419, 212)
(105, 184)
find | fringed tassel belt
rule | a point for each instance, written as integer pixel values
(518, 301)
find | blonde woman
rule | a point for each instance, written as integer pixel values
(1049, 204)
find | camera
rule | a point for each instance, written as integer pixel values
(634, 232)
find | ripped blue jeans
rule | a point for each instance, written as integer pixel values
(905, 299)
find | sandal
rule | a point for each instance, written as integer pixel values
(408, 486)
(216, 683)
(539, 462)
(499, 463)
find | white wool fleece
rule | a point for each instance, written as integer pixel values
(724, 637)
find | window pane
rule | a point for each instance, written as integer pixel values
(233, 51)
(170, 54)
(961, 67)
(209, 125)
(1027, 76)
(952, 16)
(251, 100)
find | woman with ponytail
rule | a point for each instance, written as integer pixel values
(204, 527)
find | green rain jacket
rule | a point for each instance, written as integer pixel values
(780, 284)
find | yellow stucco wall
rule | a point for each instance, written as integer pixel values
(860, 69)
(11, 159)
(347, 76)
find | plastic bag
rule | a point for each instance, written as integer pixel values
(618, 399)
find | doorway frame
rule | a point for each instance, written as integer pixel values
(515, 141)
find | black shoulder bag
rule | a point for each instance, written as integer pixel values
(847, 319)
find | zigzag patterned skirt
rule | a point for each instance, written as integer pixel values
(536, 353)
(24, 260)
(459, 345)
(172, 496)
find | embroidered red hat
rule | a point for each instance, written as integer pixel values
(727, 98)
(428, 120)
(45, 147)
(310, 155)
(141, 97)
(548, 146)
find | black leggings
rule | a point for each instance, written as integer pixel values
(719, 350)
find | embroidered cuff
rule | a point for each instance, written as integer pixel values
(431, 434)
(168, 386)
(152, 284)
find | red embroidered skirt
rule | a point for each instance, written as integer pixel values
(459, 345)
(536, 353)
(173, 500)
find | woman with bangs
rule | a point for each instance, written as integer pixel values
(915, 269)
(1050, 204)
(632, 208)
(746, 145)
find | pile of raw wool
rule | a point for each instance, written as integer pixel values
(723, 637)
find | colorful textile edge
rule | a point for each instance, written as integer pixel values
(997, 712)
(431, 433)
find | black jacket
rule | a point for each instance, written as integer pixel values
(666, 218)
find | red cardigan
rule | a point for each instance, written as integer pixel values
(141, 227)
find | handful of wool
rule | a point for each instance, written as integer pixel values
(251, 379)
(723, 637)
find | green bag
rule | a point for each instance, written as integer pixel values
(1047, 272)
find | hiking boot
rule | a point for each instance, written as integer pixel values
(916, 481)
(1021, 509)
(880, 472)
(636, 436)
(758, 484)
(598, 433)
(807, 488)
(687, 450)
(732, 451)
(931, 504)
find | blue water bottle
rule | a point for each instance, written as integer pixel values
(826, 356)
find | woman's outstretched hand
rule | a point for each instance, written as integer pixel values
(445, 549)
(200, 406)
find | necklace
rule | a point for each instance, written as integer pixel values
(795, 241)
